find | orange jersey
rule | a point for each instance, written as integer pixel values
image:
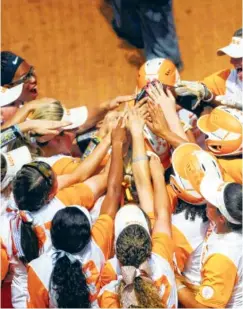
(61, 164)
(188, 237)
(219, 275)
(161, 269)
(92, 258)
(226, 83)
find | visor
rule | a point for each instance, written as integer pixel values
(9, 95)
(15, 160)
(213, 192)
(234, 49)
(128, 215)
(179, 155)
(77, 116)
(223, 127)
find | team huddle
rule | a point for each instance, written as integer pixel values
(136, 203)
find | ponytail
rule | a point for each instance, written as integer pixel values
(146, 293)
(29, 243)
(68, 284)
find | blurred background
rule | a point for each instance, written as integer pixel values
(80, 60)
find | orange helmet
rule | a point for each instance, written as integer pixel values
(159, 68)
(191, 164)
(223, 127)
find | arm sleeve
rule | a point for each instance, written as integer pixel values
(103, 234)
(163, 245)
(78, 194)
(38, 295)
(219, 275)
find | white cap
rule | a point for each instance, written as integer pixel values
(213, 192)
(15, 160)
(77, 116)
(9, 95)
(234, 49)
(128, 215)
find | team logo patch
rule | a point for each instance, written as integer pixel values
(207, 292)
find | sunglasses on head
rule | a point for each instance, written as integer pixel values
(23, 79)
(43, 170)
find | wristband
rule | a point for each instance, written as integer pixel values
(92, 145)
(10, 134)
(140, 158)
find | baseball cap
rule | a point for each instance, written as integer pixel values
(128, 215)
(223, 127)
(235, 48)
(77, 116)
(180, 182)
(213, 192)
(15, 159)
(9, 95)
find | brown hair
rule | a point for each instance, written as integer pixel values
(133, 247)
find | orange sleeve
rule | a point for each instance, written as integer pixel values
(232, 168)
(4, 263)
(163, 245)
(182, 247)
(219, 275)
(107, 275)
(103, 234)
(38, 295)
(78, 194)
(108, 300)
(216, 82)
(66, 165)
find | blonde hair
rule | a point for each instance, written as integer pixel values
(133, 247)
(146, 293)
(52, 111)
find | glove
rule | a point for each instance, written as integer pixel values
(199, 90)
(224, 100)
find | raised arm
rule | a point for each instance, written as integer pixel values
(114, 188)
(97, 112)
(162, 207)
(168, 104)
(140, 165)
(159, 126)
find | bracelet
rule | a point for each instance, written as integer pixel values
(181, 286)
(140, 158)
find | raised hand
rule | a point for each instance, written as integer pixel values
(157, 122)
(114, 103)
(135, 122)
(119, 134)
